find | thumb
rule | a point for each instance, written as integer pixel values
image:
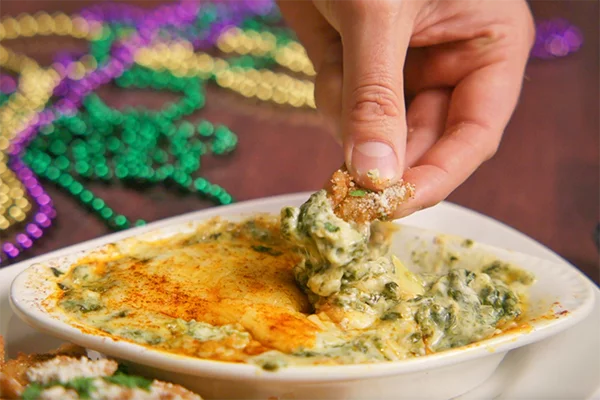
(373, 121)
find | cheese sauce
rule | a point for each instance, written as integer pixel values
(309, 288)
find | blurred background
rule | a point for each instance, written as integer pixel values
(103, 128)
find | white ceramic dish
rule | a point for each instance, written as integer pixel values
(445, 375)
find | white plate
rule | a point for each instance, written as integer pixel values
(446, 218)
(556, 283)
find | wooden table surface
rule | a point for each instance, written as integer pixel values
(544, 181)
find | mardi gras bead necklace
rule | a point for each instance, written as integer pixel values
(22, 106)
(129, 161)
(36, 84)
(34, 90)
(242, 78)
(16, 179)
(7, 85)
(223, 140)
(289, 54)
(45, 24)
(45, 213)
(102, 143)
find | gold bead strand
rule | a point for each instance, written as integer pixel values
(264, 85)
(35, 89)
(33, 95)
(292, 55)
(235, 40)
(36, 85)
(14, 204)
(60, 24)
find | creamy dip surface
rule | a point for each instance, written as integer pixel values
(308, 288)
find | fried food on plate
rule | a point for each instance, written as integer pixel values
(68, 374)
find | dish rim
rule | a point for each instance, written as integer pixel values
(220, 369)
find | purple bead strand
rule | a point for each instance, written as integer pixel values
(43, 216)
(122, 57)
(8, 84)
(556, 38)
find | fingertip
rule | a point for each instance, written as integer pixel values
(430, 189)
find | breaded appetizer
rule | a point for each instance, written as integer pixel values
(68, 374)
(353, 203)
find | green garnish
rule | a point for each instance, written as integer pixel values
(467, 243)
(83, 386)
(358, 193)
(331, 227)
(305, 353)
(391, 316)
(56, 272)
(32, 391)
(122, 369)
(261, 249)
(389, 291)
(415, 337)
(129, 381)
(270, 366)
(62, 287)
(120, 314)
(265, 249)
(84, 308)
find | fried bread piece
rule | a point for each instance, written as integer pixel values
(13, 373)
(68, 373)
(17, 368)
(353, 203)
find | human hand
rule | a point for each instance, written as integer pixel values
(460, 61)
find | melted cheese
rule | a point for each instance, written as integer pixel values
(225, 292)
(350, 278)
(308, 289)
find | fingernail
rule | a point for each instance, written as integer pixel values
(370, 156)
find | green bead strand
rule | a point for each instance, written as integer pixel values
(136, 145)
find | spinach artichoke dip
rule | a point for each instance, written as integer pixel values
(307, 288)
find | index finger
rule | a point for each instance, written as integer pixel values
(480, 107)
